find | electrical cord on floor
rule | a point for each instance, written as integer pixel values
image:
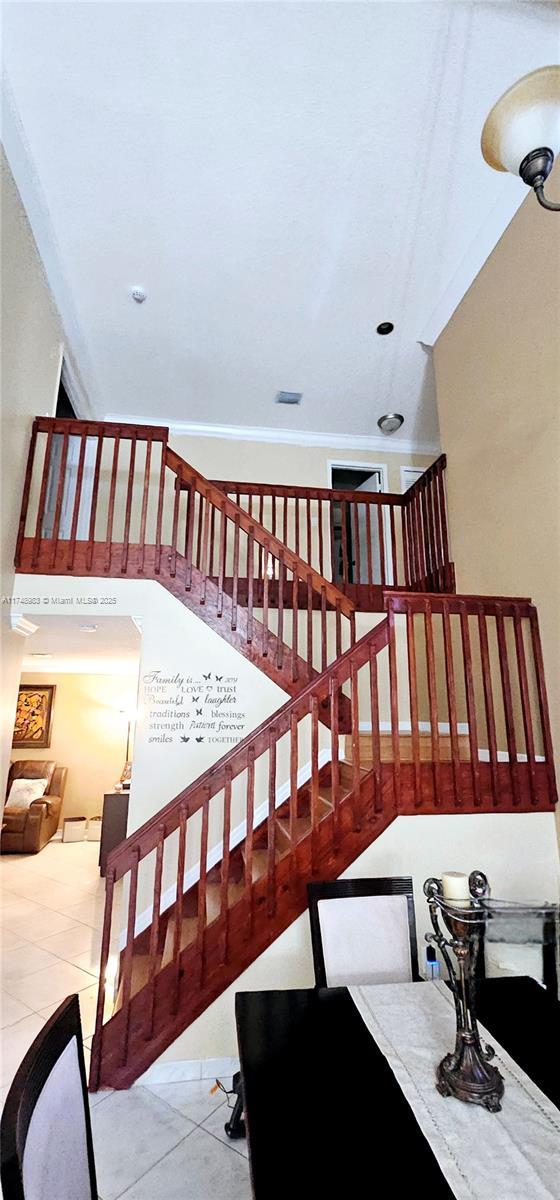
(220, 1087)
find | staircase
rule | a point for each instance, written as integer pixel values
(440, 708)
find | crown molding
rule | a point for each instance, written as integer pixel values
(285, 437)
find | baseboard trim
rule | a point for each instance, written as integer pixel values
(187, 1070)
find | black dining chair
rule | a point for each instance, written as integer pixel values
(363, 931)
(46, 1145)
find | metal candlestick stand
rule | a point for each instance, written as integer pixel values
(468, 1072)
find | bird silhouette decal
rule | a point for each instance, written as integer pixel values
(199, 712)
(206, 676)
(218, 678)
(185, 739)
(199, 739)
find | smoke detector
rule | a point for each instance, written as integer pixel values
(138, 293)
(288, 398)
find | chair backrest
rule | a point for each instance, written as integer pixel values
(47, 1150)
(363, 931)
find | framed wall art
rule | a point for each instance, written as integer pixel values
(34, 714)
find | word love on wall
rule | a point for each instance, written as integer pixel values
(193, 710)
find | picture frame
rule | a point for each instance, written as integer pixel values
(34, 716)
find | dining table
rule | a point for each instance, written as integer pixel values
(325, 1116)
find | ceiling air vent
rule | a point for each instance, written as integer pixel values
(288, 397)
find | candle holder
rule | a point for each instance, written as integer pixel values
(468, 1072)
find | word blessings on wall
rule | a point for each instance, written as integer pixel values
(185, 709)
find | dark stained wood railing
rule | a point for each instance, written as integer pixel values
(205, 885)
(114, 499)
(293, 802)
(282, 802)
(476, 694)
(363, 542)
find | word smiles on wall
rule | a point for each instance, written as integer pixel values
(191, 709)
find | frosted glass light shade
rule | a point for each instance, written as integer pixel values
(527, 117)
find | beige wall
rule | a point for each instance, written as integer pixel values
(31, 351)
(302, 466)
(88, 735)
(498, 384)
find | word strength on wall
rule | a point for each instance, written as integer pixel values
(195, 710)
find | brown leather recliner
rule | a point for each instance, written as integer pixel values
(27, 830)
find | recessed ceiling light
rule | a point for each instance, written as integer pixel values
(390, 422)
(88, 628)
(385, 327)
(288, 397)
(37, 654)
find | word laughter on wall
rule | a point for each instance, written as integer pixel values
(193, 710)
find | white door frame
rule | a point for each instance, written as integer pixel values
(382, 468)
(407, 471)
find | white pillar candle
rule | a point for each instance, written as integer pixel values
(455, 885)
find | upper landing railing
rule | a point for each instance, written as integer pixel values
(362, 541)
(114, 491)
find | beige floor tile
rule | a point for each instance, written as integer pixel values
(16, 910)
(12, 1010)
(14, 1042)
(52, 893)
(46, 987)
(10, 941)
(42, 923)
(78, 940)
(89, 911)
(124, 1149)
(24, 961)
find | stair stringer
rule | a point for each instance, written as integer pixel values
(157, 1017)
(279, 667)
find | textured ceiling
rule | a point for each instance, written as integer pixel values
(280, 178)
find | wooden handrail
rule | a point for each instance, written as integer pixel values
(485, 689)
(453, 744)
(290, 491)
(237, 759)
(263, 538)
(377, 539)
(78, 428)
(150, 513)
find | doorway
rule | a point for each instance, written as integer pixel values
(65, 409)
(356, 561)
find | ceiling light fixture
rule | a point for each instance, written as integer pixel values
(384, 328)
(40, 654)
(521, 134)
(138, 293)
(88, 628)
(390, 422)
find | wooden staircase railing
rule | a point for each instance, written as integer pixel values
(108, 499)
(363, 542)
(213, 878)
(475, 691)
(196, 894)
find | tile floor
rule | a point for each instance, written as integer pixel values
(155, 1141)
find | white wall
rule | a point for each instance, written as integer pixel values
(175, 642)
